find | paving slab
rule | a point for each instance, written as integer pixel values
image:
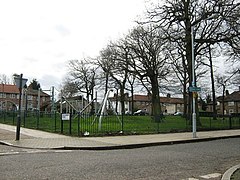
(39, 139)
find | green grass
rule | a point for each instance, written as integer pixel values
(113, 125)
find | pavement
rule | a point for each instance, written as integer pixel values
(30, 138)
(36, 139)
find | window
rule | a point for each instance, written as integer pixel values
(12, 96)
(2, 95)
(30, 105)
(231, 103)
(30, 97)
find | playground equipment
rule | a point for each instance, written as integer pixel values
(103, 110)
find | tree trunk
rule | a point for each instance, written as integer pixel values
(213, 87)
(122, 99)
(188, 41)
(116, 107)
(185, 99)
(156, 108)
(223, 99)
(132, 101)
(106, 84)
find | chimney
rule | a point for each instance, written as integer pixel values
(227, 92)
(169, 95)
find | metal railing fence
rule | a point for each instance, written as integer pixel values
(94, 125)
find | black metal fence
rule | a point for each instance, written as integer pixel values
(95, 125)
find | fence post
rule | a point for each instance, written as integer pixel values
(13, 117)
(24, 119)
(78, 123)
(230, 122)
(239, 121)
(61, 124)
(210, 122)
(38, 116)
(70, 124)
(55, 121)
(122, 122)
(4, 116)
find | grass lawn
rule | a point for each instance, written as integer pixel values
(112, 125)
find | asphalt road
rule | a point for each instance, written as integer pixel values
(181, 161)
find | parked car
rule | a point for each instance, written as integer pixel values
(128, 112)
(178, 114)
(140, 112)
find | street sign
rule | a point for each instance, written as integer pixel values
(194, 89)
(65, 117)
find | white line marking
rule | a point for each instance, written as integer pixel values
(209, 176)
(8, 153)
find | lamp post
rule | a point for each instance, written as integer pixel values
(20, 83)
(195, 89)
(194, 129)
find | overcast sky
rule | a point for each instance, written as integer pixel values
(38, 37)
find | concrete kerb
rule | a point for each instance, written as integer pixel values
(6, 143)
(142, 145)
(122, 146)
(227, 175)
(27, 147)
(36, 139)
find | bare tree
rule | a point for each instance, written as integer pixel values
(211, 22)
(148, 62)
(4, 79)
(131, 79)
(116, 57)
(83, 75)
(105, 62)
(223, 81)
(69, 88)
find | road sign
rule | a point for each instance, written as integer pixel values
(194, 89)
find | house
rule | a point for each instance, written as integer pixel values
(73, 104)
(230, 102)
(171, 105)
(168, 104)
(9, 98)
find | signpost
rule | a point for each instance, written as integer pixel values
(194, 89)
(66, 117)
(20, 83)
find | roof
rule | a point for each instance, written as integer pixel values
(141, 98)
(168, 100)
(171, 100)
(35, 92)
(235, 96)
(9, 88)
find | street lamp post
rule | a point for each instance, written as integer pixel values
(194, 129)
(195, 89)
(20, 83)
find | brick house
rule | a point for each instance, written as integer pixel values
(168, 104)
(231, 103)
(9, 98)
